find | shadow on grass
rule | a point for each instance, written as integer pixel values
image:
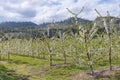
(18, 62)
(6, 74)
(76, 67)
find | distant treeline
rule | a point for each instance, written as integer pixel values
(32, 30)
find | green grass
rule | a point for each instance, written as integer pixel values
(29, 66)
(28, 60)
(7, 74)
(40, 69)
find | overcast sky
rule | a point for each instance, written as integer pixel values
(40, 11)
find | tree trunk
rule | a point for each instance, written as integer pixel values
(110, 50)
(65, 58)
(88, 55)
(0, 56)
(8, 57)
(51, 60)
(90, 64)
(43, 55)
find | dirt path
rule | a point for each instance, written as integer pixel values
(104, 74)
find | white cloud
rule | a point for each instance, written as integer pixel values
(40, 11)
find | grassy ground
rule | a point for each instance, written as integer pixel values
(27, 68)
(35, 69)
